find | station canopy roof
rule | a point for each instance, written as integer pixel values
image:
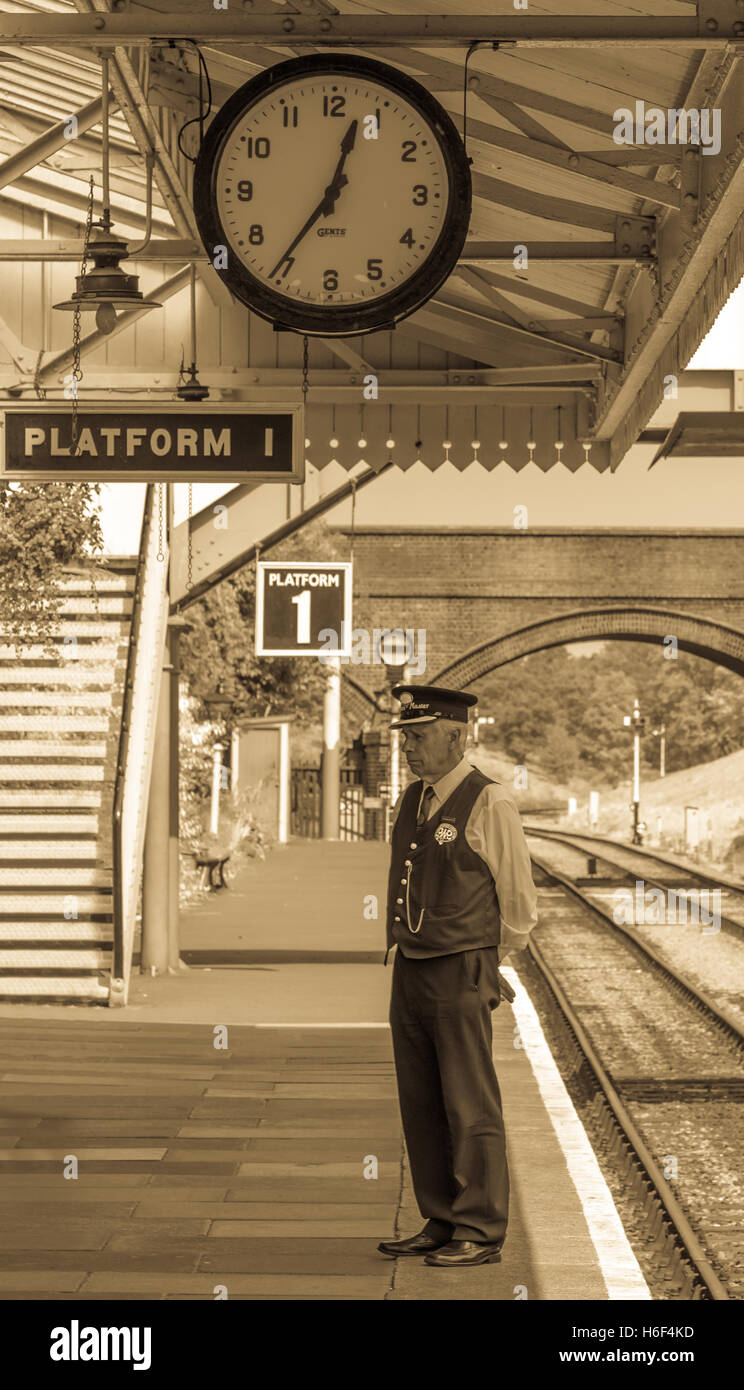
(633, 248)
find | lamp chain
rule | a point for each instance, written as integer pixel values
(190, 554)
(304, 370)
(161, 552)
(77, 373)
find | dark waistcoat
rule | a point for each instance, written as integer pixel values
(437, 883)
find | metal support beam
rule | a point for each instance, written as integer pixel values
(551, 209)
(539, 392)
(22, 356)
(602, 252)
(47, 144)
(488, 84)
(515, 285)
(226, 29)
(158, 249)
(571, 162)
(402, 386)
(499, 322)
(518, 118)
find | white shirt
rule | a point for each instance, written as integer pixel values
(494, 831)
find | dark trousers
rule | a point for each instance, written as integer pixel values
(440, 1017)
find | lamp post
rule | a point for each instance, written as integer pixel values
(481, 719)
(660, 733)
(635, 723)
(394, 654)
(217, 704)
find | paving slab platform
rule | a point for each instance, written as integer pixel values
(237, 1129)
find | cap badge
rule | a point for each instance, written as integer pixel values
(445, 834)
(406, 697)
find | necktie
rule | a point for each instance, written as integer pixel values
(426, 800)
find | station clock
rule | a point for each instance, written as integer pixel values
(340, 191)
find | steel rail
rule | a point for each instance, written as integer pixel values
(701, 1001)
(683, 1233)
(717, 881)
(558, 837)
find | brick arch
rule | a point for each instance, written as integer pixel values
(701, 636)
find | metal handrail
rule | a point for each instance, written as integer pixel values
(117, 968)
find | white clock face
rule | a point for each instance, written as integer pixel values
(332, 190)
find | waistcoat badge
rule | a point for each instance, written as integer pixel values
(445, 834)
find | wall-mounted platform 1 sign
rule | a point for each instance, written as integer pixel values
(303, 608)
(170, 442)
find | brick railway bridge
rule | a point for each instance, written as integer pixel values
(486, 597)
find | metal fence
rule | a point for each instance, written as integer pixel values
(305, 817)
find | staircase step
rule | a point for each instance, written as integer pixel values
(48, 826)
(106, 581)
(57, 876)
(63, 850)
(70, 958)
(105, 630)
(54, 723)
(82, 605)
(31, 987)
(56, 931)
(75, 798)
(49, 748)
(59, 725)
(52, 772)
(14, 905)
(79, 661)
(53, 699)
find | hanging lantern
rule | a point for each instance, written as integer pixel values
(106, 287)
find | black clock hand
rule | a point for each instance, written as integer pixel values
(347, 145)
(328, 201)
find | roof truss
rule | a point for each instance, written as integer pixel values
(648, 239)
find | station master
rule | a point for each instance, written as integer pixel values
(460, 899)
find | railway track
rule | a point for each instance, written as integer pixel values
(626, 856)
(631, 1023)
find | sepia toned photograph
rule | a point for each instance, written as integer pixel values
(371, 631)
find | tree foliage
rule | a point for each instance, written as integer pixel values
(43, 528)
(564, 713)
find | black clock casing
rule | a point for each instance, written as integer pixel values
(334, 318)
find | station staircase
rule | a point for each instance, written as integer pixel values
(77, 719)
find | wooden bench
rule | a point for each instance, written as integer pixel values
(212, 869)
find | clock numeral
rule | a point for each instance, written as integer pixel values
(408, 147)
(245, 190)
(374, 269)
(421, 194)
(330, 279)
(255, 235)
(261, 147)
(334, 106)
(408, 238)
(290, 115)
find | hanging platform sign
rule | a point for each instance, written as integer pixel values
(169, 443)
(303, 608)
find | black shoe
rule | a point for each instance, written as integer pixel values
(415, 1245)
(465, 1252)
